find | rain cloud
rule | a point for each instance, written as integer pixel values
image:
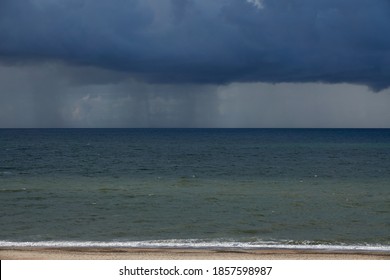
(206, 42)
(194, 63)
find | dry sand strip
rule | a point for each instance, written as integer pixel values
(34, 253)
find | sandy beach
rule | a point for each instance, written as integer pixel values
(34, 253)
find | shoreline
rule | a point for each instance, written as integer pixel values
(120, 253)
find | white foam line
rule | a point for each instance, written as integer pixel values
(197, 244)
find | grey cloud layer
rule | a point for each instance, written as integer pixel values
(219, 41)
(43, 96)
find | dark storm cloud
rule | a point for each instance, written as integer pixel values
(220, 41)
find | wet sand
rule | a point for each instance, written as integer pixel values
(34, 253)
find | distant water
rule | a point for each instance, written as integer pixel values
(253, 188)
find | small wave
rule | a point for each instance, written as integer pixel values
(13, 190)
(199, 244)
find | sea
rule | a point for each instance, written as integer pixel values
(196, 188)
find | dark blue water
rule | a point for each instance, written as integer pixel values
(195, 187)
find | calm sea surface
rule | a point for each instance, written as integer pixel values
(195, 188)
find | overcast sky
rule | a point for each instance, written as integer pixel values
(195, 63)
